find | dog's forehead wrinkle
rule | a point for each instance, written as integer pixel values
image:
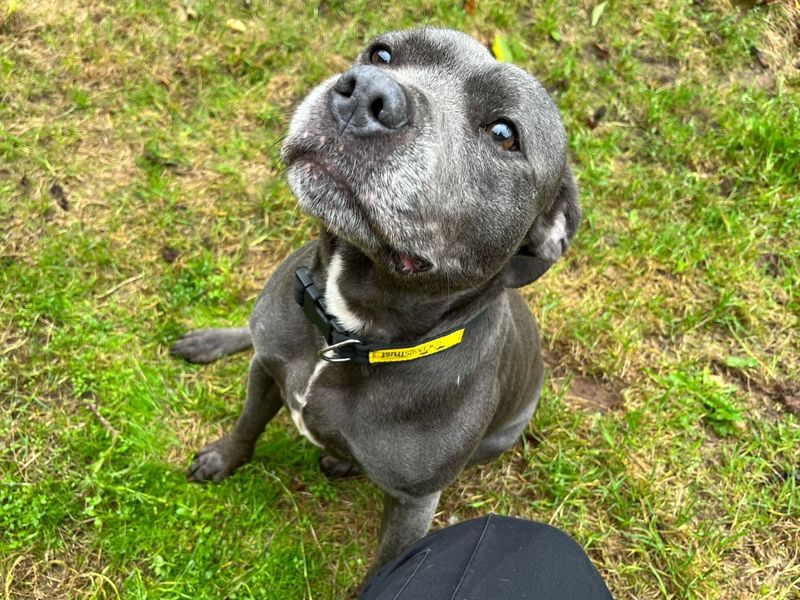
(437, 87)
(430, 45)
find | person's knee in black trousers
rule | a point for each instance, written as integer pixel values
(490, 558)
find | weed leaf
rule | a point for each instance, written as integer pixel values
(597, 12)
(236, 25)
(501, 49)
(741, 362)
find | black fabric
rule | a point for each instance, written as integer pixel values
(490, 558)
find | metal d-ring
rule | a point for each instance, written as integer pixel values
(323, 353)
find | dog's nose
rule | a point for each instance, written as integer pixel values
(367, 100)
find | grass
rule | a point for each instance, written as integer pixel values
(141, 195)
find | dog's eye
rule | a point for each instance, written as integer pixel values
(504, 134)
(380, 55)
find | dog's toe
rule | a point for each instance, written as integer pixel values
(337, 469)
(208, 466)
(213, 464)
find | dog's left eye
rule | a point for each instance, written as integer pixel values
(504, 134)
(380, 55)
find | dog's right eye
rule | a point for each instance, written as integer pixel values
(380, 55)
(503, 134)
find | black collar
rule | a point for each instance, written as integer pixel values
(345, 346)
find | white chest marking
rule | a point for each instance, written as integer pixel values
(335, 302)
(302, 400)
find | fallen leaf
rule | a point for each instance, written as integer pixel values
(741, 362)
(470, 6)
(236, 25)
(594, 120)
(501, 49)
(600, 51)
(189, 9)
(185, 10)
(756, 53)
(58, 194)
(597, 12)
(169, 254)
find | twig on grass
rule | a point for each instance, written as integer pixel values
(107, 293)
(103, 421)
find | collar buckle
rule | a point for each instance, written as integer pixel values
(325, 355)
(344, 347)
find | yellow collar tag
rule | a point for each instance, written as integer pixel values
(432, 347)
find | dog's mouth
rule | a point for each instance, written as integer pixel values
(408, 264)
(402, 262)
(319, 162)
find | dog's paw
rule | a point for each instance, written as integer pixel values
(216, 461)
(200, 347)
(334, 468)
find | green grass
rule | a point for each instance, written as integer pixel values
(664, 443)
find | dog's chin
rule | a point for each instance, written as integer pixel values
(323, 192)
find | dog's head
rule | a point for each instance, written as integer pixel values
(439, 163)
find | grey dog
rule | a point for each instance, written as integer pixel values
(396, 339)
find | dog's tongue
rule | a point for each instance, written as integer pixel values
(408, 264)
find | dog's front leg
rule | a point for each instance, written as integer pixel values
(404, 521)
(221, 458)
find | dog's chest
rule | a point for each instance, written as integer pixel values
(298, 399)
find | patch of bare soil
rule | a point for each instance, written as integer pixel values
(592, 395)
(777, 53)
(774, 264)
(661, 71)
(788, 394)
(785, 392)
(586, 392)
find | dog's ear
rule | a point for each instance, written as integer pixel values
(547, 238)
